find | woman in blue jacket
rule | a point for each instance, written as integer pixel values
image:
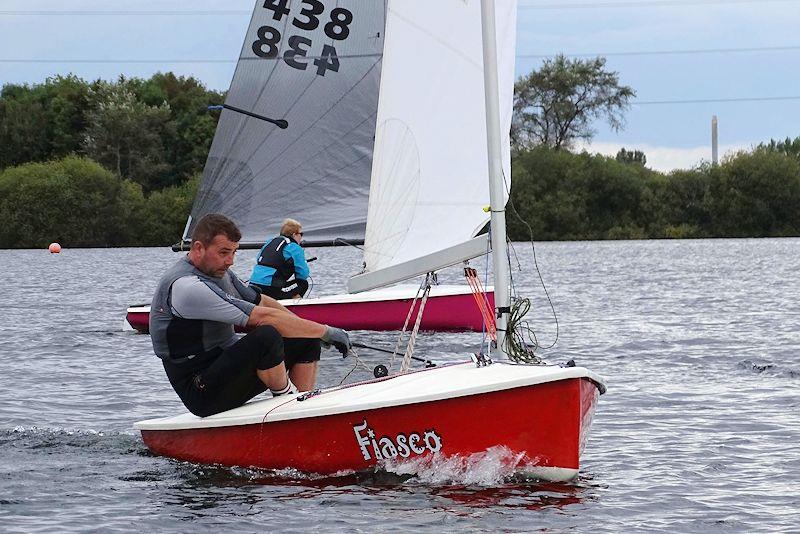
(281, 270)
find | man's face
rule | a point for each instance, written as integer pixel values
(217, 257)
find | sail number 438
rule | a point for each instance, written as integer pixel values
(337, 28)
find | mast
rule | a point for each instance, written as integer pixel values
(496, 187)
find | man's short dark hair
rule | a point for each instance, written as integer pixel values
(214, 224)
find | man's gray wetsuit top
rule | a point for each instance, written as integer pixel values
(193, 313)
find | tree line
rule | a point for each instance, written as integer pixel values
(118, 163)
(560, 195)
(102, 163)
(154, 132)
(566, 196)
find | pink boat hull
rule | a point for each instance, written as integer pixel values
(447, 313)
(541, 426)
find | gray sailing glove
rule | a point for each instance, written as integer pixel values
(338, 338)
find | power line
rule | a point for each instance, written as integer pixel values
(121, 61)
(669, 52)
(718, 100)
(655, 3)
(128, 13)
(519, 56)
(551, 6)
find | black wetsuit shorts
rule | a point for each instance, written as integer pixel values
(220, 380)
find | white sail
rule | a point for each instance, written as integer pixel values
(317, 65)
(430, 181)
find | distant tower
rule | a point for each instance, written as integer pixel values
(714, 142)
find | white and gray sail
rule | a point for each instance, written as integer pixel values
(315, 64)
(430, 181)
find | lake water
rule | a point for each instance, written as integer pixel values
(699, 342)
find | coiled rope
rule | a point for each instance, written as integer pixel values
(519, 349)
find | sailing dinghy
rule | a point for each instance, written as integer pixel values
(298, 137)
(450, 308)
(536, 415)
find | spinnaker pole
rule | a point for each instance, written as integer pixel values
(496, 182)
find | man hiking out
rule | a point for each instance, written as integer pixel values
(195, 307)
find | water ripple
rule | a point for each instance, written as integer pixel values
(698, 341)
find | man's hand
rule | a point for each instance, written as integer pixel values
(338, 338)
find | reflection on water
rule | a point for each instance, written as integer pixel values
(209, 484)
(530, 497)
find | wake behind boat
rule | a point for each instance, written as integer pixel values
(450, 308)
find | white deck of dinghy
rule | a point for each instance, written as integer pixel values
(437, 383)
(401, 292)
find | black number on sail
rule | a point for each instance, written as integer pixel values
(278, 7)
(316, 8)
(328, 60)
(294, 42)
(337, 28)
(271, 41)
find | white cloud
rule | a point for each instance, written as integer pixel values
(663, 158)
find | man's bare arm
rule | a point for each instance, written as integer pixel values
(270, 302)
(287, 323)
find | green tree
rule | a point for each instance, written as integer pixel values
(23, 127)
(684, 200)
(43, 121)
(755, 194)
(125, 135)
(631, 156)
(193, 125)
(165, 118)
(556, 105)
(66, 100)
(789, 147)
(549, 193)
(618, 194)
(74, 201)
(165, 213)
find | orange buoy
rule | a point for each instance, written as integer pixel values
(54, 248)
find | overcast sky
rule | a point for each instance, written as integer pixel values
(676, 54)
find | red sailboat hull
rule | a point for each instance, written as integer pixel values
(544, 425)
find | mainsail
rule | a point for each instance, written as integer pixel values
(430, 183)
(317, 65)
